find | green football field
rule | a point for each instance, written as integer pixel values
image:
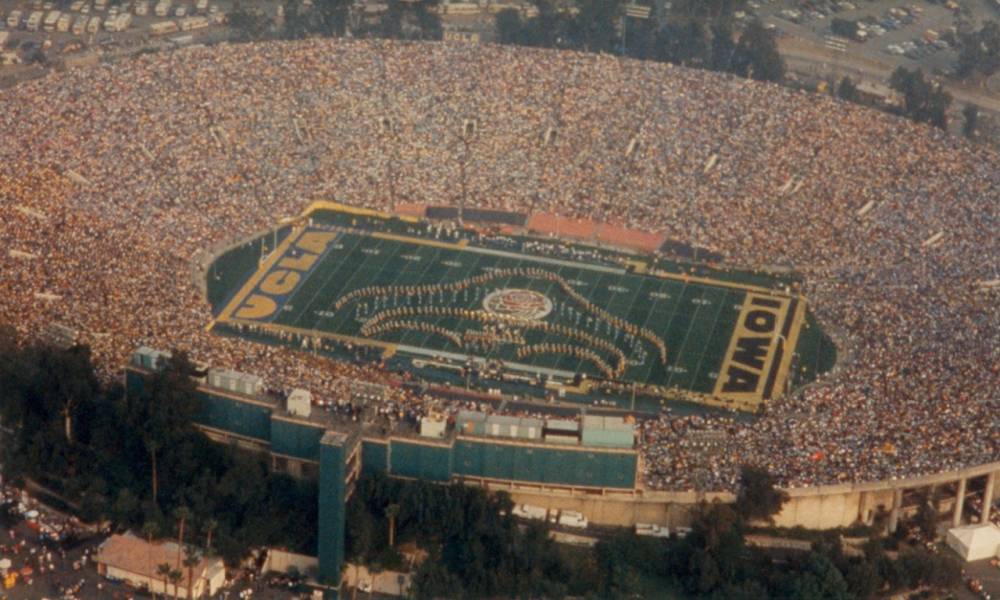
(537, 314)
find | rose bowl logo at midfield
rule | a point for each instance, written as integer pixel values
(523, 304)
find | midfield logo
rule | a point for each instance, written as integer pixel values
(523, 304)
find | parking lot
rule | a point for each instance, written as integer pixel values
(910, 33)
(68, 30)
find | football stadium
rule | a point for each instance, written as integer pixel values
(454, 302)
(597, 283)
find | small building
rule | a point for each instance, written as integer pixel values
(974, 542)
(133, 560)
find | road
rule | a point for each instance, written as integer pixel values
(802, 55)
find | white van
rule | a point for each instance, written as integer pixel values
(571, 518)
(652, 530)
(527, 511)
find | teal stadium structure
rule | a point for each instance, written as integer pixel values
(313, 447)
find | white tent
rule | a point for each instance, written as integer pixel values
(974, 542)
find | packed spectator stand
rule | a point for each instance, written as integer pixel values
(114, 179)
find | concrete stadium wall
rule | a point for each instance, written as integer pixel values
(615, 509)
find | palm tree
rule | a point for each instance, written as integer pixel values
(181, 513)
(191, 560)
(163, 570)
(175, 578)
(391, 512)
(210, 526)
(149, 531)
(152, 446)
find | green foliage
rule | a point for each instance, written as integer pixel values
(594, 26)
(847, 90)
(683, 43)
(971, 115)
(477, 549)
(979, 51)
(758, 497)
(723, 46)
(924, 101)
(107, 467)
(696, 33)
(756, 55)
(844, 27)
(510, 28)
(411, 20)
(249, 23)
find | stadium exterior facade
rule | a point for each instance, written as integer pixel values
(314, 446)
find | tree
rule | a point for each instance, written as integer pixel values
(249, 23)
(164, 570)
(126, 506)
(844, 27)
(298, 23)
(162, 414)
(847, 90)
(723, 46)
(391, 512)
(76, 385)
(411, 20)
(758, 497)
(971, 115)
(863, 580)
(175, 577)
(979, 51)
(711, 554)
(927, 514)
(509, 27)
(819, 579)
(209, 528)
(333, 16)
(595, 25)
(181, 513)
(149, 531)
(191, 560)
(683, 43)
(757, 55)
(924, 101)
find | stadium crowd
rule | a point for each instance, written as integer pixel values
(114, 180)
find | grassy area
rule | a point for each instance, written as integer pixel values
(695, 320)
(236, 265)
(816, 352)
(434, 294)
